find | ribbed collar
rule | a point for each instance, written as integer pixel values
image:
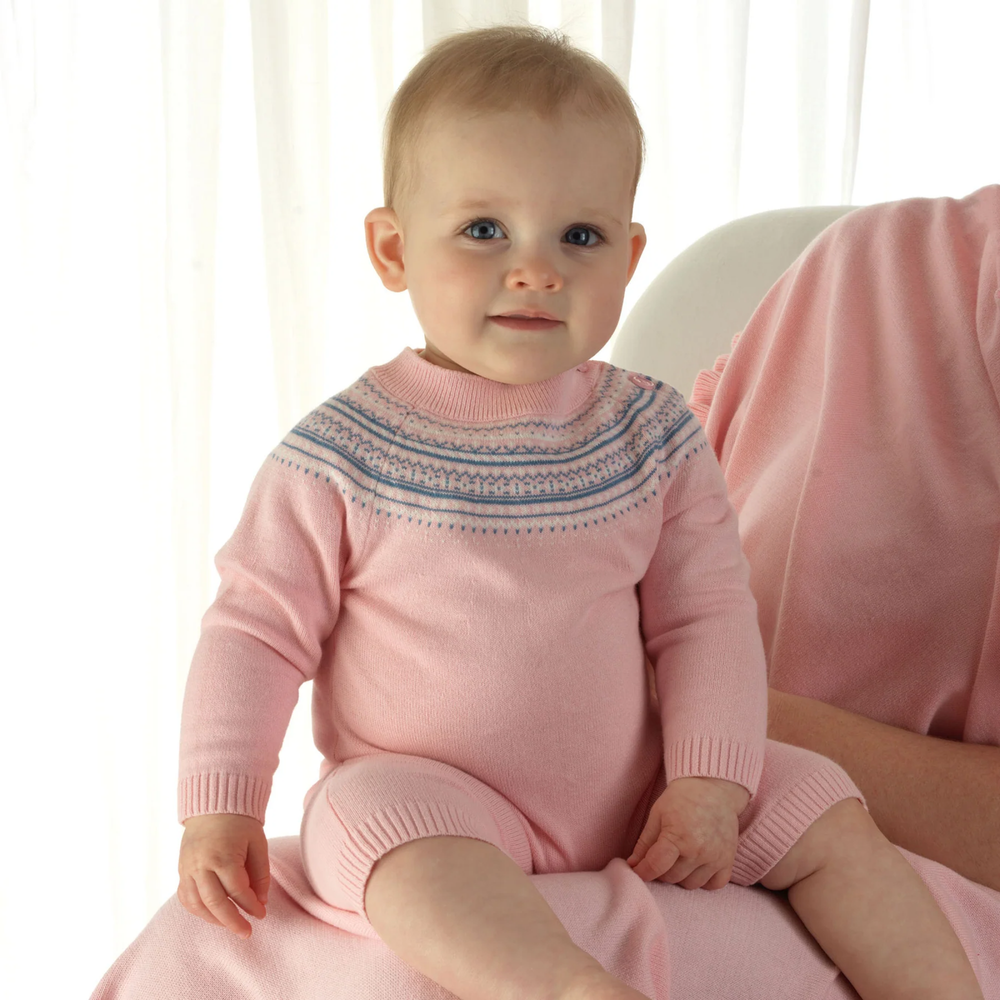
(465, 396)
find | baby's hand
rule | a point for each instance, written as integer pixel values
(224, 855)
(692, 834)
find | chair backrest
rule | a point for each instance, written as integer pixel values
(692, 309)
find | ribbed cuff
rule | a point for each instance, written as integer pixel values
(766, 842)
(395, 824)
(221, 792)
(711, 757)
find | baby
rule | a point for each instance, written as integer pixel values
(472, 550)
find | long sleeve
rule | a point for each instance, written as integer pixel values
(262, 637)
(699, 625)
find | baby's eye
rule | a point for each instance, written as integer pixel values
(585, 229)
(481, 224)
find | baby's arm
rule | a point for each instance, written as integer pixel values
(261, 638)
(699, 624)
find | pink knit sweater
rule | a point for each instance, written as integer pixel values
(475, 572)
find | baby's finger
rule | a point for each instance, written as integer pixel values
(215, 897)
(696, 878)
(236, 881)
(187, 893)
(658, 859)
(680, 870)
(250, 902)
(720, 879)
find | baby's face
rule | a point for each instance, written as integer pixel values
(551, 232)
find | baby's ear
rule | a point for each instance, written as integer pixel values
(637, 243)
(384, 238)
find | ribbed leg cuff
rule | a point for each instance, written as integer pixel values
(391, 826)
(776, 831)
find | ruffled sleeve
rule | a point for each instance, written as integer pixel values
(706, 383)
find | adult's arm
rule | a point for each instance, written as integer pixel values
(937, 798)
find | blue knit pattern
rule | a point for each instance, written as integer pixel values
(517, 476)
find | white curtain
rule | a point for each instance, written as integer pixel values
(183, 276)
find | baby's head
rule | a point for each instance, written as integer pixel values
(544, 139)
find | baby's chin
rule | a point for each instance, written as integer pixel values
(502, 365)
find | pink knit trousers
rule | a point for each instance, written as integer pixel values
(369, 805)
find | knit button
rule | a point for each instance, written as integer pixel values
(583, 367)
(641, 381)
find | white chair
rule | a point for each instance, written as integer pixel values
(690, 312)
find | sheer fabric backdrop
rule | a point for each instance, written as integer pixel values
(183, 276)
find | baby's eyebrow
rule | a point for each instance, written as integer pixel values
(481, 203)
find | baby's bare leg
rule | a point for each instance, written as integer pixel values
(463, 913)
(871, 912)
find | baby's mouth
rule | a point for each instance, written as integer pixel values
(526, 323)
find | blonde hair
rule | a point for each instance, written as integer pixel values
(501, 68)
